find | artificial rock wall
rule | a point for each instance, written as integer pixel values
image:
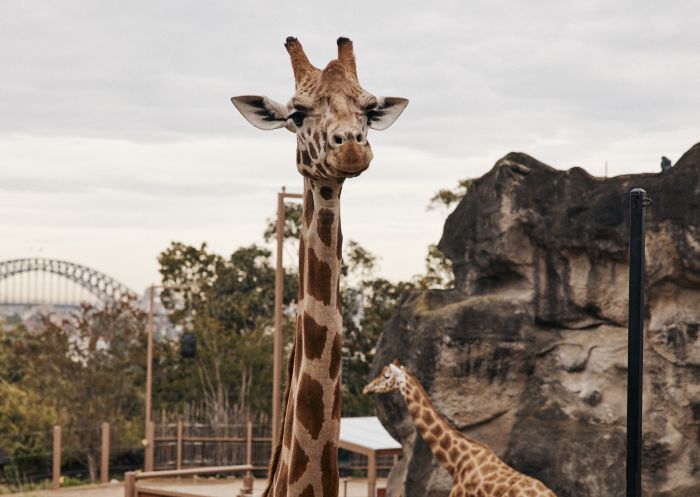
(528, 352)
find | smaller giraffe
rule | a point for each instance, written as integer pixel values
(476, 471)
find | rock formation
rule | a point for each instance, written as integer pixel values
(528, 352)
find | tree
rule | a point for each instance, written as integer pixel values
(446, 197)
(438, 270)
(231, 312)
(87, 367)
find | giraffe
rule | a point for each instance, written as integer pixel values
(476, 471)
(330, 113)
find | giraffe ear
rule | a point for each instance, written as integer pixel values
(261, 112)
(388, 111)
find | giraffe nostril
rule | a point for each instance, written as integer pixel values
(338, 139)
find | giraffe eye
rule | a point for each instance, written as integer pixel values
(386, 375)
(297, 118)
(372, 114)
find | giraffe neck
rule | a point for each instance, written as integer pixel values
(450, 446)
(308, 462)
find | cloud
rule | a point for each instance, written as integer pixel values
(115, 116)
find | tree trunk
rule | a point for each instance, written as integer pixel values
(92, 466)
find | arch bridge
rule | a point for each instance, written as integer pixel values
(52, 281)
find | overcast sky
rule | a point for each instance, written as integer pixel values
(117, 134)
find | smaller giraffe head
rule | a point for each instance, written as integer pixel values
(330, 113)
(391, 378)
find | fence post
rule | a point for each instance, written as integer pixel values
(56, 473)
(130, 484)
(248, 478)
(635, 342)
(179, 443)
(104, 466)
(150, 446)
(371, 473)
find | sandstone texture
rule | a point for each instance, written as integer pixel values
(528, 352)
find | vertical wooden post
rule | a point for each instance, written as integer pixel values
(104, 467)
(130, 484)
(180, 429)
(149, 353)
(249, 443)
(248, 478)
(277, 347)
(371, 473)
(56, 473)
(150, 446)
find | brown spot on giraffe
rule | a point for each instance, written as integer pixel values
(308, 207)
(329, 470)
(336, 402)
(309, 409)
(319, 278)
(299, 461)
(307, 492)
(305, 158)
(314, 337)
(302, 265)
(325, 224)
(338, 300)
(445, 442)
(336, 351)
(436, 430)
(339, 243)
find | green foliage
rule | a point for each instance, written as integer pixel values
(231, 312)
(445, 197)
(438, 270)
(77, 371)
(293, 216)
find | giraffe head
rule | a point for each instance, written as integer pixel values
(392, 377)
(330, 113)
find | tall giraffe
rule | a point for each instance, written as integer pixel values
(330, 113)
(476, 471)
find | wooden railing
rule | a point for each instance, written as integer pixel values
(132, 488)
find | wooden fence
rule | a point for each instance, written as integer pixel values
(183, 445)
(190, 445)
(187, 445)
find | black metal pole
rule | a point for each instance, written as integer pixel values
(635, 343)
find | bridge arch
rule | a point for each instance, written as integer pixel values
(103, 287)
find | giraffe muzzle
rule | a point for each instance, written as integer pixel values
(351, 158)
